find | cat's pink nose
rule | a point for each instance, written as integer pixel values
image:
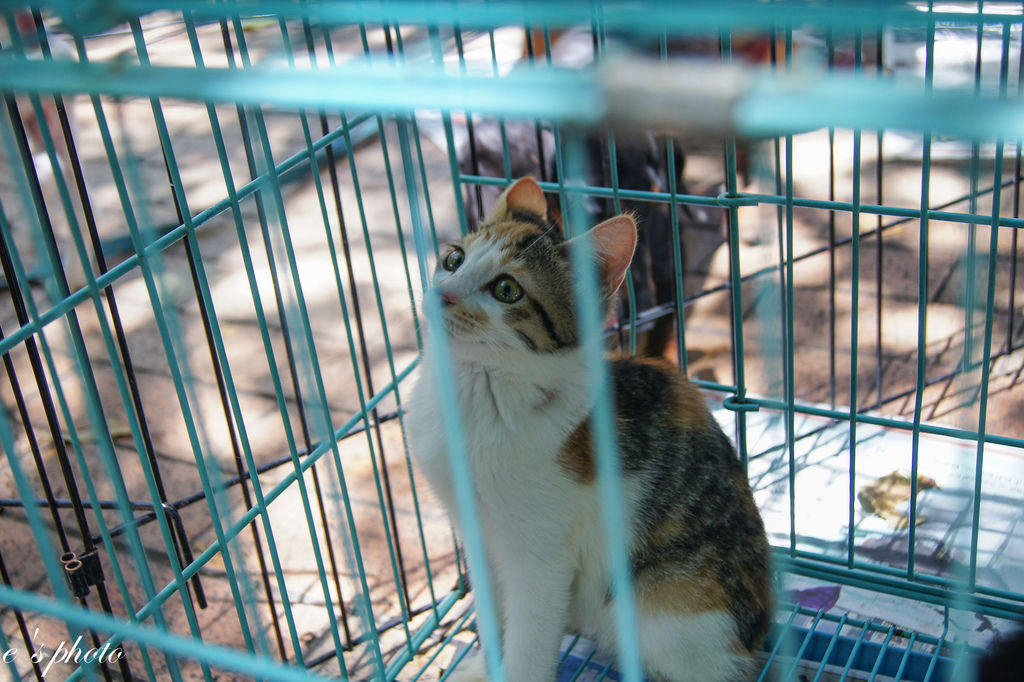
(447, 300)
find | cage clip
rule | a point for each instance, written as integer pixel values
(736, 199)
(737, 404)
(82, 571)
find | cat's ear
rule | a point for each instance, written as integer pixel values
(614, 242)
(522, 196)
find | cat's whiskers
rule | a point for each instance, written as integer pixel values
(470, 330)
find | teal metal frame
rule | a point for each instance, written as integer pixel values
(348, 102)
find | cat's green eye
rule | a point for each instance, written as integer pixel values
(453, 259)
(506, 290)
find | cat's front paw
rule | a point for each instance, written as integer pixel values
(472, 668)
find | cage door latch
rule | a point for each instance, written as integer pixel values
(82, 571)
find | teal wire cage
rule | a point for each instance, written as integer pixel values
(218, 219)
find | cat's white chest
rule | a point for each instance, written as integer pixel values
(523, 499)
(512, 434)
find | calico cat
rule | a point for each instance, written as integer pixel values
(697, 548)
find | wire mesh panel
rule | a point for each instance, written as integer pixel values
(219, 221)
